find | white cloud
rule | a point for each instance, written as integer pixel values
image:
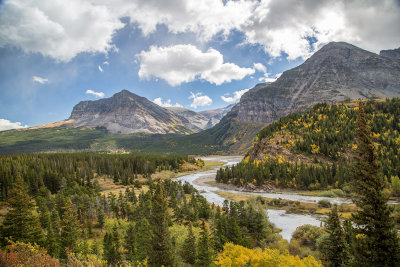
(236, 96)
(266, 78)
(285, 26)
(106, 63)
(206, 18)
(8, 125)
(62, 29)
(185, 63)
(57, 28)
(96, 94)
(100, 68)
(200, 100)
(260, 67)
(165, 104)
(40, 79)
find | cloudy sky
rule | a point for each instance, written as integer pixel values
(199, 54)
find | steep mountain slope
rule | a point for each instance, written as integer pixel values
(315, 149)
(126, 112)
(229, 136)
(215, 115)
(336, 72)
(200, 120)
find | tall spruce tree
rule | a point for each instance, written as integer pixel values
(189, 247)
(335, 248)
(377, 243)
(204, 256)
(20, 222)
(130, 243)
(161, 243)
(112, 247)
(69, 229)
(143, 237)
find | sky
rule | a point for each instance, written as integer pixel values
(198, 54)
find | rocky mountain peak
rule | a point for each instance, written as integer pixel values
(126, 112)
(338, 71)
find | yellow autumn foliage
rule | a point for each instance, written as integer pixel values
(235, 255)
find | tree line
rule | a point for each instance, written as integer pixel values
(55, 171)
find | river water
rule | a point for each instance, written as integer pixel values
(287, 222)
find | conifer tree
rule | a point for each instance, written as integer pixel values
(335, 248)
(100, 218)
(69, 229)
(161, 242)
(143, 237)
(52, 245)
(129, 243)
(189, 247)
(112, 247)
(20, 223)
(204, 256)
(55, 221)
(377, 243)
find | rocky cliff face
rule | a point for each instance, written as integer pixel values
(215, 115)
(126, 112)
(200, 120)
(336, 72)
(393, 54)
(191, 118)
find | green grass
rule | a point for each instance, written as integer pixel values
(64, 139)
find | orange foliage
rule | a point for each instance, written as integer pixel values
(21, 254)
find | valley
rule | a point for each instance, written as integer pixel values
(291, 167)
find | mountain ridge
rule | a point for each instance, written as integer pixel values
(336, 72)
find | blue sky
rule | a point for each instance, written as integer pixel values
(197, 54)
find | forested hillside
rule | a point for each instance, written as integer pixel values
(314, 150)
(57, 171)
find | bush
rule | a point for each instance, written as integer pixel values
(324, 204)
(235, 255)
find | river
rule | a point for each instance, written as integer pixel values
(287, 222)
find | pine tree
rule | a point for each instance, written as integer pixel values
(130, 243)
(377, 243)
(111, 247)
(69, 229)
(100, 218)
(20, 223)
(161, 243)
(52, 245)
(189, 247)
(335, 248)
(204, 256)
(143, 237)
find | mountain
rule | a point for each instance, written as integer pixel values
(393, 54)
(338, 71)
(200, 120)
(215, 115)
(126, 112)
